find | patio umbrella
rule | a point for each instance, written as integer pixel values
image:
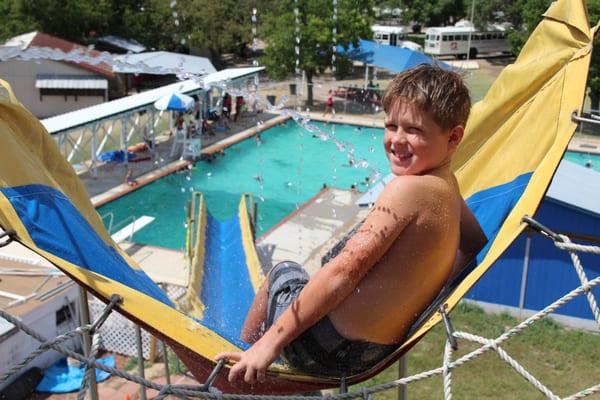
(174, 101)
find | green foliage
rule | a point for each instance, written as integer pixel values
(132, 363)
(594, 74)
(218, 26)
(176, 367)
(14, 20)
(433, 12)
(69, 19)
(316, 23)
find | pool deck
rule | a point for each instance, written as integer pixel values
(308, 233)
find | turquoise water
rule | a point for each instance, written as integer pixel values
(284, 171)
(585, 159)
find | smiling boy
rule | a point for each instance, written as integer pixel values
(356, 309)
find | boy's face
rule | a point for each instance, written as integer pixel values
(414, 143)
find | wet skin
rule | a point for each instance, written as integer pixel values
(394, 266)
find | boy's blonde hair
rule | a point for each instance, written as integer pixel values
(440, 93)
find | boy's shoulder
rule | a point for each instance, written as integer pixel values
(418, 184)
(417, 192)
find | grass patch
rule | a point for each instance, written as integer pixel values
(479, 81)
(565, 360)
(132, 364)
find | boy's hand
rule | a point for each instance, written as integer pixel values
(251, 364)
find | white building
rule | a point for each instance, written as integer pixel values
(43, 298)
(47, 87)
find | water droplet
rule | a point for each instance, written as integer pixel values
(209, 174)
(371, 149)
(182, 190)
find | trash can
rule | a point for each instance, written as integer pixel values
(271, 99)
(292, 89)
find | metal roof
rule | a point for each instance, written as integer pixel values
(43, 40)
(576, 186)
(395, 59)
(98, 112)
(53, 81)
(126, 44)
(389, 29)
(183, 63)
(572, 185)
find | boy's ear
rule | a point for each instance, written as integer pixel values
(456, 135)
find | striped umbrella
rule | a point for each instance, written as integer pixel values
(174, 101)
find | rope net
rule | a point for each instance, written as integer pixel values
(449, 363)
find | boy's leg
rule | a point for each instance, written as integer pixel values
(285, 280)
(257, 316)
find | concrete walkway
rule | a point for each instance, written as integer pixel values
(309, 232)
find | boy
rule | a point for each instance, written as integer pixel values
(355, 310)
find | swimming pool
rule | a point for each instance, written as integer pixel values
(586, 159)
(282, 172)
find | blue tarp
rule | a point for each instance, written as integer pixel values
(116, 156)
(63, 378)
(395, 59)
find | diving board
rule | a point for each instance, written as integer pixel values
(132, 228)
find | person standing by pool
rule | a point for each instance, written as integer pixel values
(329, 104)
(359, 306)
(226, 106)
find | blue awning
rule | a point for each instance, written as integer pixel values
(395, 59)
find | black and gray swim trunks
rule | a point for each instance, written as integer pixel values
(321, 350)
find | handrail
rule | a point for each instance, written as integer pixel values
(595, 120)
(123, 221)
(112, 218)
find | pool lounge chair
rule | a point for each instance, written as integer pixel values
(515, 139)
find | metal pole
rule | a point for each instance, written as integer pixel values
(402, 373)
(366, 76)
(166, 356)
(124, 127)
(524, 275)
(140, 354)
(94, 146)
(87, 341)
(471, 32)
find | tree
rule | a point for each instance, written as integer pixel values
(526, 14)
(150, 22)
(14, 21)
(315, 31)
(222, 26)
(594, 74)
(68, 19)
(433, 12)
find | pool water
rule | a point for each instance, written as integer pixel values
(282, 172)
(586, 159)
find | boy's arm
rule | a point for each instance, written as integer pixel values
(472, 240)
(394, 210)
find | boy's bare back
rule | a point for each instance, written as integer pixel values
(426, 211)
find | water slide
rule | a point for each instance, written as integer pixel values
(224, 271)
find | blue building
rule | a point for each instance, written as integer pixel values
(521, 285)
